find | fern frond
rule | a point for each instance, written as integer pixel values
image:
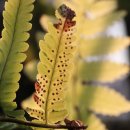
(56, 55)
(12, 45)
(94, 17)
(100, 8)
(102, 46)
(104, 100)
(94, 26)
(102, 71)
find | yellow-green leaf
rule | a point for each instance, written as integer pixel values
(102, 71)
(16, 16)
(56, 57)
(19, 114)
(100, 8)
(94, 26)
(102, 46)
(104, 100)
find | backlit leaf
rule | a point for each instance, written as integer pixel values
(16, 16)
(56, 56)
(100, 8)
(104, 100)
(102, 71)
(102, 46)
(94, 26)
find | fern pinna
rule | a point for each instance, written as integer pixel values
(56, 55)
(13, 44)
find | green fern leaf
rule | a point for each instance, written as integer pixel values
(104, 100)
(56, 55)
(101, 71)
(94, 26)
(13, 126)
(12, 45)
(7, 126)
(100, 8)
(97, 46)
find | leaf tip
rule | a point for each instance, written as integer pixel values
(66, 12)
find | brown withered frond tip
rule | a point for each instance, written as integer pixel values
(68, 16)
(66, 12)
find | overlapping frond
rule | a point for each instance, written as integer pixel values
(97, 25)
(102, 71)
(102, 46)
(112, 105)
(17, 15)
(100, 8)
(56, 55)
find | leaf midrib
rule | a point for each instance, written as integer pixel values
(53, 71)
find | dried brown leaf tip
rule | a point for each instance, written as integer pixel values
(75, 123)
(66, 12)
(66, 22)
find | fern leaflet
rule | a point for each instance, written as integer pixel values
(12, 45)
(56, 54)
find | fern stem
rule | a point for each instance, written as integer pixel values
(27, 123)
